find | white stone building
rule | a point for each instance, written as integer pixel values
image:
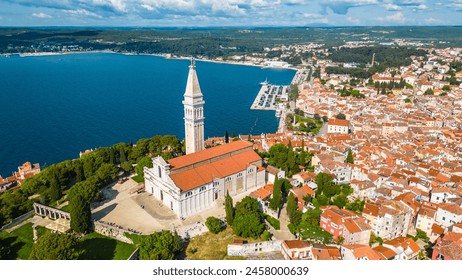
(338, 126)
(192, 183)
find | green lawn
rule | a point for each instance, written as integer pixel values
(100, 247)
(97, 246)
(138, 179)
(19, 242)
(66, 208)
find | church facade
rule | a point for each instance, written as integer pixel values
(192, 183)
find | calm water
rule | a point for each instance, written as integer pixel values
(52, 107)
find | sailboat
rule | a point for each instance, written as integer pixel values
(265, 83)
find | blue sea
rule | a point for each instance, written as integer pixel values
(52, 107)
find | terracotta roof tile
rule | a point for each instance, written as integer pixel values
(207, 154)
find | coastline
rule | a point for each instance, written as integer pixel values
(166, 56)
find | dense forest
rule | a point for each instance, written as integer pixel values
(215, 42)
(80, 180)
(385, 57)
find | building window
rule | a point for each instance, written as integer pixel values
(228, 179)
(203, 189)
(216, 183)
(159, 171)
(188, 194)
(239, 175)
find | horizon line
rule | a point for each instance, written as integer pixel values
(226, 27)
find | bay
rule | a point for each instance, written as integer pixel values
(52, 107)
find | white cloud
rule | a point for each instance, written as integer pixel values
(392, 7)
(148, 7)
(313, 16)
(353, 20)
(421, 7)
(41, 15)
(433, 21)
(118, 5)
(455, 4)
(82, 12)
(409, 2)
(396, 18)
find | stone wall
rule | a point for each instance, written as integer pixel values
(113, 231)
(254, 248)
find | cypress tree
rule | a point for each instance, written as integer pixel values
(291, 165)
(79, 174)
(291, 207)
(112, 156)
(55, 189)
(123, 157)
(80, 214)
(275, 202)
(229, 209)
(226, 137)
(349, 158)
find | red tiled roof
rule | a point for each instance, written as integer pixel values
(207, 154)
(338, 122)
(299, 244)
(206, 173)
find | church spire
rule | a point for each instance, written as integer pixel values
(193, 112)
(192, 86)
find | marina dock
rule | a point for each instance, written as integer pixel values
(269, 96)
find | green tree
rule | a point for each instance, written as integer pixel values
(407, 100)
(80, 214)
(160, 246)
(429, 92)
(349, 158)
(356, 206)
(54, 191)
(340, 116)
(213, 224)
(323, 180)
(302, 155)
(141, 164)
(56, 246)
(276, 200)
(292, 166)
(79, 173)
(4, 249)
(246, 206)
(126, 166)
(340, 201)
(446, 88)
(250, 225)
(122, 155)
(229, 209)
(226, 137)
(291, 206)
(248, 220)
(106, 173)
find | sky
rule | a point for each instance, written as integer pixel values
(207, 13)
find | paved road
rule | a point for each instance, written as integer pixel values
(283, 233)
(323, 130)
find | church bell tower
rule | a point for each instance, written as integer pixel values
(193, 112)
